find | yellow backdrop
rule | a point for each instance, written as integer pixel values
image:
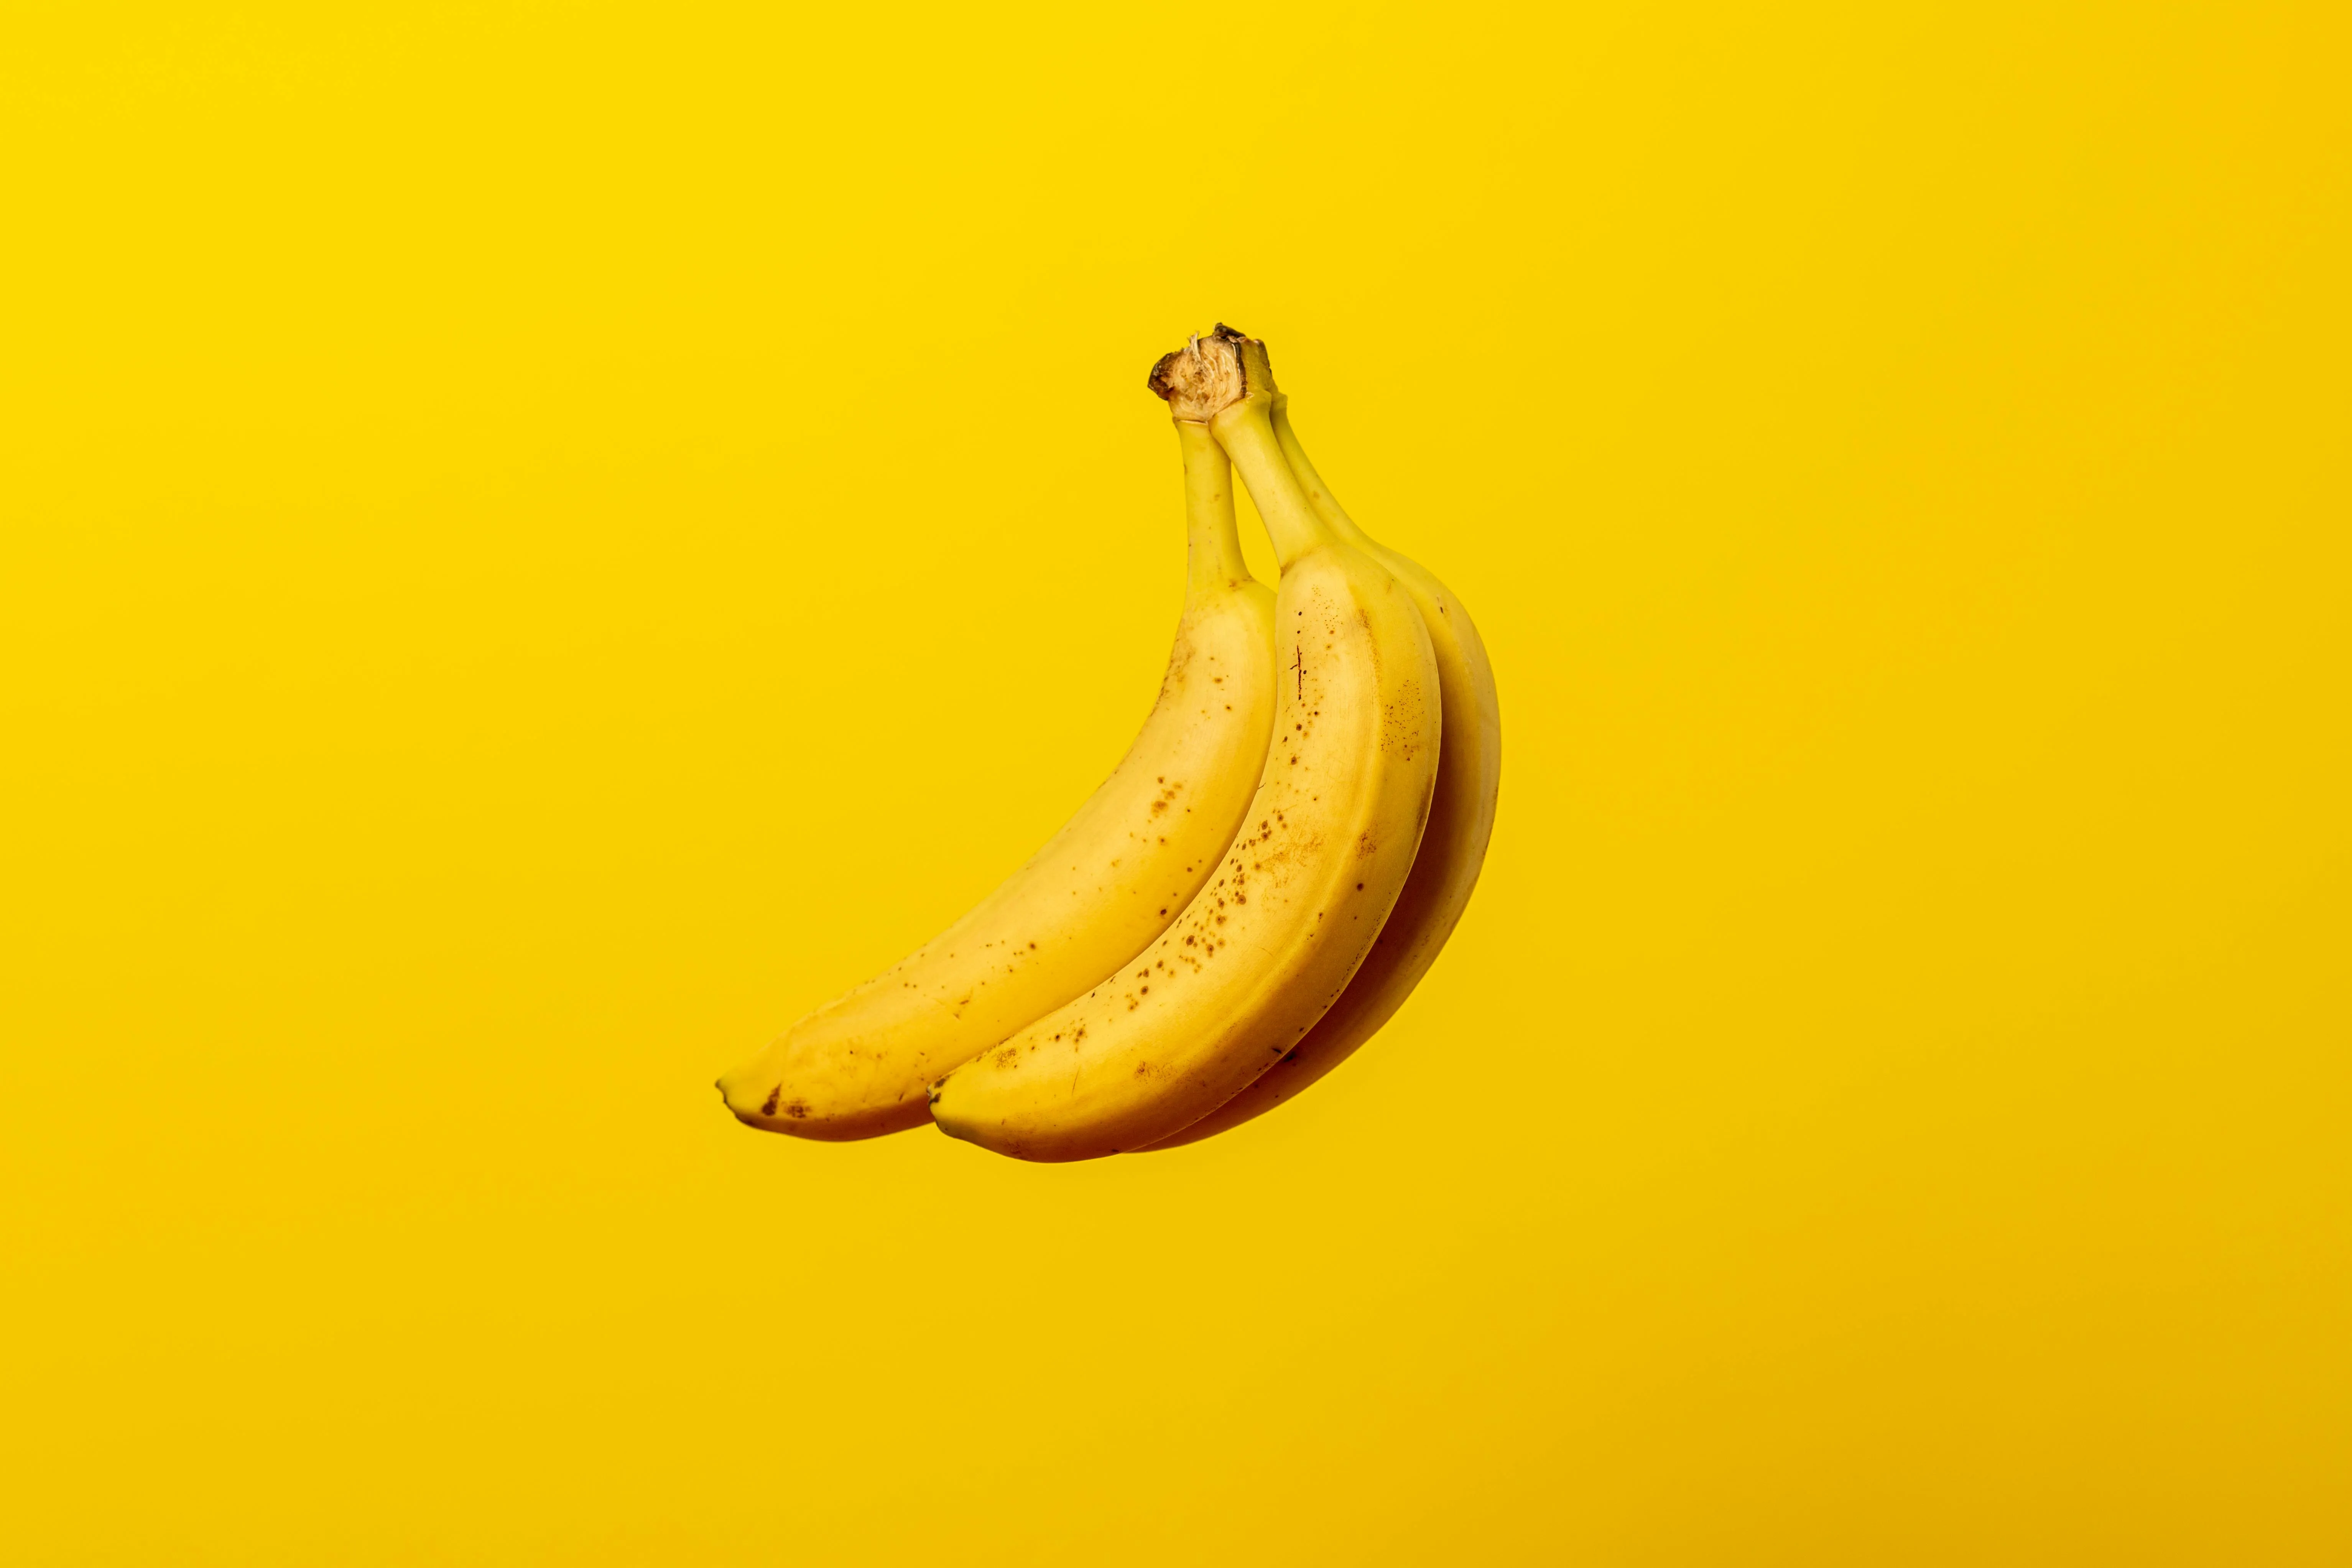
(541, 541)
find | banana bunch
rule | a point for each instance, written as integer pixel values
(1252, 892)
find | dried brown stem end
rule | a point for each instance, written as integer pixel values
(1212, 373)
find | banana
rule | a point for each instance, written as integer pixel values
(1326, 846)
(1461, 820)
(1119, 871)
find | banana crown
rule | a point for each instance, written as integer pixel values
(1210, 374)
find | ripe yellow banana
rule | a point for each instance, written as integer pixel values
(1461, 820)
(1326, 846)
(1093, 897)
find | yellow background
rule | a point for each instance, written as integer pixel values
(541, 541)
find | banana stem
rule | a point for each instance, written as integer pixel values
(1212, 547)
(1225, 380)
(1319, 494)
(1246, 432)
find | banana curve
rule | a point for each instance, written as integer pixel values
(1108, 883)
